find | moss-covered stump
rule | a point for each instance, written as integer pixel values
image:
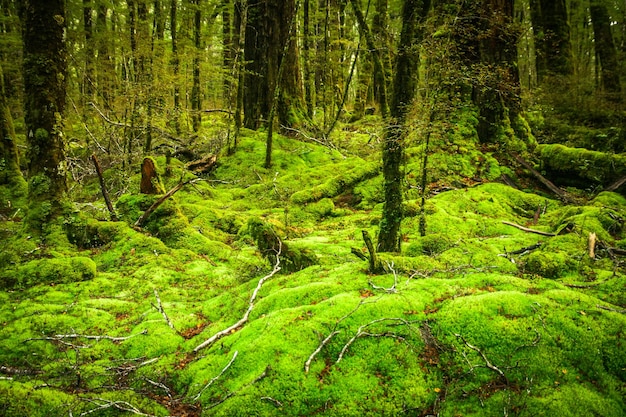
(580, 167)
(292, 257)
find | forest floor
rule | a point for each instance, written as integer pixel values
(185, 317)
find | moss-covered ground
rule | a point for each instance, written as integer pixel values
(477, 318)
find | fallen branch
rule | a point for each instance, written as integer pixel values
(103, 188)
(392, 289)
(159, 307)
(525, 250)
(120, 405)
(526, 229)
(61, 337)
(361, 333)
(615, 310)
(488, 364)
(549, 184)
(161, 200)
(233, 393)
(616, 184)
(307, 364)
(245, 317)
(215, 378)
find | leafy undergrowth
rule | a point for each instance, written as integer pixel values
(476, 318)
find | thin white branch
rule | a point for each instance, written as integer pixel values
(245, 317)
(162, 311)
(488, 364)
(120, 405)
(307, 364)
(215, 378)
(361, 332)
(60, 337)
(392, 289)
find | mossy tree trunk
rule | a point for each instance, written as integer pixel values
(490, 47)
(267, 33)
(404, 88)
(605, 50)
(44, 69)
(175, 63)
(10, 174)
(551, 30)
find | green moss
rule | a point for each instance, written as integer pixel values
(56, 271)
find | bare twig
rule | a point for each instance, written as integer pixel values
(61, 337)
(361, 333)
(307, 364)
(120, 405)
(246, 315)
(103, 188)
(273, 400)
(161, 200)
(615, 310)
(392, 289)
(159, 307)
(215, 378)
(526, 229)
(488, 364)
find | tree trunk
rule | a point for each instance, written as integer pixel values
(551, 30)
(196, 98)
(404, 87)
(227, 54)
(10, 174)
(605, 51)
(379, 69)
(309, 82)
(89, 75)
(175, 62)
(267, 33)
(43, 23)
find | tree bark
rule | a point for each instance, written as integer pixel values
(44, 68)
(404, 88)
(605, 50)
(175, 63)
(551, 31)
(10, 174)
(267, 33)
(196, 98)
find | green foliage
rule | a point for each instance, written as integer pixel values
(396, 331)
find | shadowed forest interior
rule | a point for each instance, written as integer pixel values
(312, 207)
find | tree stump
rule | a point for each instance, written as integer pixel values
(150, 180)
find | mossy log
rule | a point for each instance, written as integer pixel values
(292, 258)
(581, 167)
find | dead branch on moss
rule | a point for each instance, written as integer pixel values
(215, 378)
(392, 289)
(307, 364)
(103, 188)
(563, 196)
(61, 338)
(103, 404)
(488, 364)
(273, 400)
(524, 250)
(161, 200)
(10, 370)
(615, 310)
(362, 333)
(159, 307)
(616, 184)
(233, 393)
(246, 315)
(526, 229)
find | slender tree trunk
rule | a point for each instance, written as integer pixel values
(43, 25)
(89, 78)
(175, 63)
(10, 174)
(105, 68)
(309, 82)
(551, 29)
(227, 53)
(379, 69)
(241, 20)
(404, 87)
(196, 98)
(605, 50)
